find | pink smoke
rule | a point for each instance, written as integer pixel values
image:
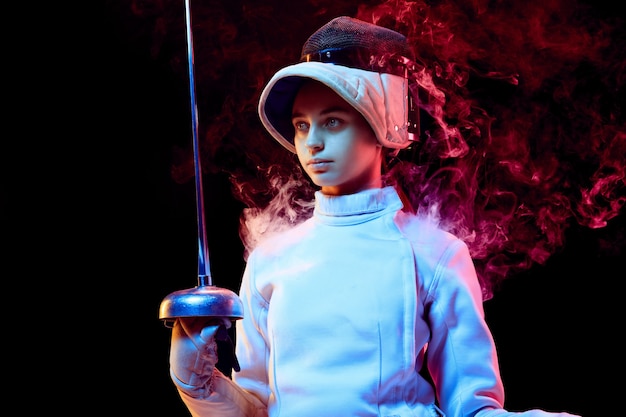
(527, 136)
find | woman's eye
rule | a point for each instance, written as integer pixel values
(332, 122)
(300, 126)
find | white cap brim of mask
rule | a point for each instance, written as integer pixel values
(380, 97)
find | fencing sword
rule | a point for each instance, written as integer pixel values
(204, 300)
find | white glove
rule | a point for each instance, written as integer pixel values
(530, 413)
(193, 353)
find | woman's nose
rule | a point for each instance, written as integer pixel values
(314, 140)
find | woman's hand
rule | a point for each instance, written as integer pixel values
(193, 353)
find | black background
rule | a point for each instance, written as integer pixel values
(99, 233)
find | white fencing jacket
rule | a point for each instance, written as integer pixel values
(343, 311)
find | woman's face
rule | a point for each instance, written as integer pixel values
(335, 145)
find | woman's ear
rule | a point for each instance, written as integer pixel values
(388, 158)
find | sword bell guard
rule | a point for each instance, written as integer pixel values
(201, 301)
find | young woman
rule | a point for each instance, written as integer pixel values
(364, 309)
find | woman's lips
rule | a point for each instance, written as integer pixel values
(318, 164)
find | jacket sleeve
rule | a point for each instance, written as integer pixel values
(252, 348)
(461, 355)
